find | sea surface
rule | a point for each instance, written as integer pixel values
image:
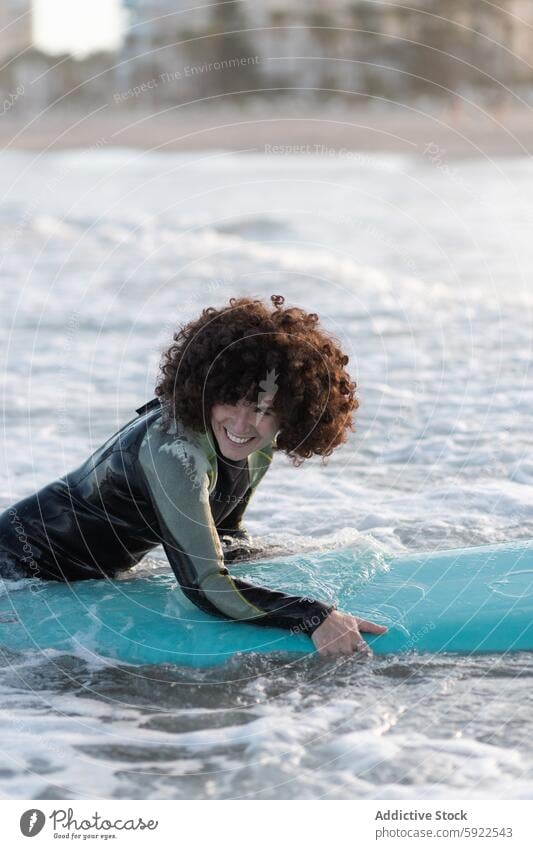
(422, 269)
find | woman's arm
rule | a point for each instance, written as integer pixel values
(175, 472)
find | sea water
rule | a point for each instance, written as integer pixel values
(423, 274)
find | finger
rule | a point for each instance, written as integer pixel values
(363, 648)
(372, 627)
(358, 643)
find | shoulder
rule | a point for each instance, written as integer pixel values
(190, 450)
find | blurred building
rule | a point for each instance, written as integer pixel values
(190, 51)
(15, 27)
(159, 22)
(398, 50)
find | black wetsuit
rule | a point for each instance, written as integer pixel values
(151, 484)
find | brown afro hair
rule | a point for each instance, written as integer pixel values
(235, 352)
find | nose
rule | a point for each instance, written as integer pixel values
(244, 420)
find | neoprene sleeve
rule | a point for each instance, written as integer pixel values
(175, 471)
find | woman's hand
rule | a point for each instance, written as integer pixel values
(340, 633)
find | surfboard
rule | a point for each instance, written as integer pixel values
(469, 600)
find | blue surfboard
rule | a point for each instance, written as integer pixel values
(469, 600)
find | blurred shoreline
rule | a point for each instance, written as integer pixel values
(282, 128)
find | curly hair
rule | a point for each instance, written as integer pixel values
(232, 353)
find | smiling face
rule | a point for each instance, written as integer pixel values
(243, 428)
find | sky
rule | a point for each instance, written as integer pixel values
(77, 26)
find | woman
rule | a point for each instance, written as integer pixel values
(237, 384)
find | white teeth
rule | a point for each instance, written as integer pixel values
(238, 440)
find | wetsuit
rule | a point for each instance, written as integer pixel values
(152, 484)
